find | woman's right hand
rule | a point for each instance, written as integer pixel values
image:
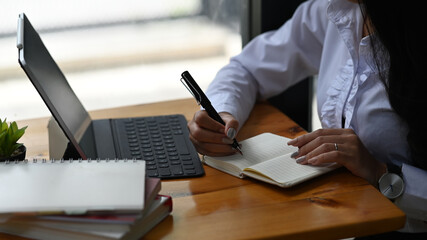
(210, 137)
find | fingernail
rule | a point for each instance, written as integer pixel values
(227, 141)
(294, 154)
(300, 159)
(231, 133)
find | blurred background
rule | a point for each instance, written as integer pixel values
(117, 53)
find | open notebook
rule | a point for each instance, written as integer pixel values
(267, 157)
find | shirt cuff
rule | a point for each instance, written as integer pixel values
(414, 199)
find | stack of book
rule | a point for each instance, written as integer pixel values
(72, 199)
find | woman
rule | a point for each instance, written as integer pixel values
(369, 58)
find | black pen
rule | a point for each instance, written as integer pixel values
(201, 98)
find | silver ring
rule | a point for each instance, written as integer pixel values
(336, 146)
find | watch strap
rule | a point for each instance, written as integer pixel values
(393, 168)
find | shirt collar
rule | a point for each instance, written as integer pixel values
(338, 9)
(347, 18)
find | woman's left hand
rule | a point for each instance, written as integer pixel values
(339, 145)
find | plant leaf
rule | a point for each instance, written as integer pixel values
(13, 126)
(2, 140)
(3, 126)
(2, 135)
(18, 134)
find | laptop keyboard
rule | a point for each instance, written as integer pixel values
(162, 141)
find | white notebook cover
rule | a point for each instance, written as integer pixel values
(73, 187)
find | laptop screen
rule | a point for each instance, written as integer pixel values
(54, 89)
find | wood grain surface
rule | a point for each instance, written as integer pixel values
(219, 206)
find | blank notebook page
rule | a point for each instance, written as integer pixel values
(265, 146)
(72, 186)
(284, 169)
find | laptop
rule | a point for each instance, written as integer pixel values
(162, 141)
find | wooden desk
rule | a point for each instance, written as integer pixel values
(220, 206)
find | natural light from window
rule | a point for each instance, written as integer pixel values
(117, 53)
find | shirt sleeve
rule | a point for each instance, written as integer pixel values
(271, 62)
(414, 199)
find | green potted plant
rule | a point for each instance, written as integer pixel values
(10, 149)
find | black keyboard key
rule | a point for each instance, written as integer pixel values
(164, 172)
(190, 172)
(188, 167)
(162, 161)
(185, 157)
(160, 153)
(148, 154)
(180, 144)
(152, 173)
(151, 167)
(161, 157)
(136, 153)
(134, 144)
(177, 170)
(187, 163)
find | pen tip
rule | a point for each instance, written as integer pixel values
(240, 151)
(237, 147)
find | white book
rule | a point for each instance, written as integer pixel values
(71, 186)
(267, 157)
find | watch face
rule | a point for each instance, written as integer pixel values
(391, 185)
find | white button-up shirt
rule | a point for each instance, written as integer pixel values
(324, 38)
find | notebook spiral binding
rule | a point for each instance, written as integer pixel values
(44, 160)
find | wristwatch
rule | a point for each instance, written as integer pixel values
(391, 183)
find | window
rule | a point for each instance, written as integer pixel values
(117, 53)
